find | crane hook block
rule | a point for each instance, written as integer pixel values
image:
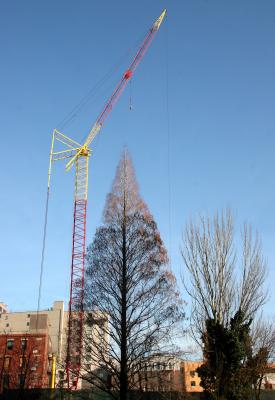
(128, 74)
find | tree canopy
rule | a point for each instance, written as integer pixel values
(227, 287)
(130, 283)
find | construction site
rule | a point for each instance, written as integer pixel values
(116, 322)
(44, 349)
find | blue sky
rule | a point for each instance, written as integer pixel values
(201, 132)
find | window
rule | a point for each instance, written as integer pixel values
(28, 324)
(192, 373)
(6, 381)
(22, 362)
(10, 344)
(193, 383)
(21, 380)
(24, 343)
(7, 362)
(29, 315)
(7, 325)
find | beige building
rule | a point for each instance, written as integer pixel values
(169, 374)
(268, 381)
(190, 376)
(27, 322)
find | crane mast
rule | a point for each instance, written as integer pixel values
(78, 155)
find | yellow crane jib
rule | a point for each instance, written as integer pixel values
(160, 19)
(85, 148)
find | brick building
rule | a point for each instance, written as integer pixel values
(44, 334)
(24, 360)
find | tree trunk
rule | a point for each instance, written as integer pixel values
(123, 371)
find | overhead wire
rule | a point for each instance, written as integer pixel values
(168, 144)
(130, 99)
(42, 256)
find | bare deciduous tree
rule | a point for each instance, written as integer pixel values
(131, 288)
(227, 291)
(263, 351)
(220, 283)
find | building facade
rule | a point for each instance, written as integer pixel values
(49, 329)
(190, 376)
(27, 343)
(268, 381)
(24, 361)
(52, 320)
(167, 374)
(3, 307)
(173, 376)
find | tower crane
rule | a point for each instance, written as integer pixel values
(78, 155)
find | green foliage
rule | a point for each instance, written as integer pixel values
(225, 352)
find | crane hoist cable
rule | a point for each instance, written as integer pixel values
(90, 95)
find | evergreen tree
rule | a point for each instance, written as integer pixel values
(225, 354)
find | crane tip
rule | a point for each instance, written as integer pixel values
(160, 19)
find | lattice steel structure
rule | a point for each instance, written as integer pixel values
(79, 156)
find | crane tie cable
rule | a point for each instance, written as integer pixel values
(42, 255)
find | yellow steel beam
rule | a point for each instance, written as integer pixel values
(66, 140)
(53, 372)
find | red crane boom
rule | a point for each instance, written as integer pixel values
(79, 155)
(120, 87)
